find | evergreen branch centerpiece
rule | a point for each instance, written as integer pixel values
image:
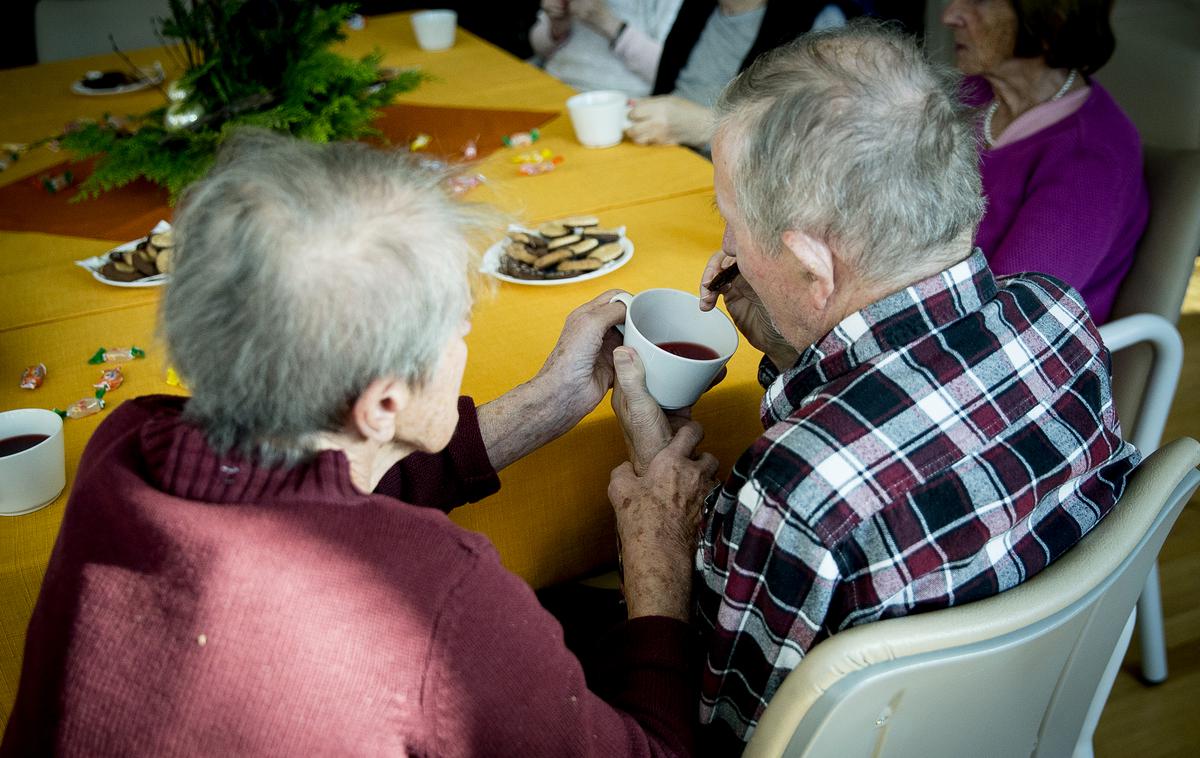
(263, 63)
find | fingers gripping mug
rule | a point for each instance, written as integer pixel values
(682, 347)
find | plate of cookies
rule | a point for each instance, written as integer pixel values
(145, 262)
(563, 251)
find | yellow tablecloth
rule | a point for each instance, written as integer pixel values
(551, 520)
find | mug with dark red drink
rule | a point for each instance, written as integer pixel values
(682, 347)
(32, 466)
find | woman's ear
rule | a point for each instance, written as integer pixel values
(375, 415)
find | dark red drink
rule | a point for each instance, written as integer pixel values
(690, 350)
(19, 443)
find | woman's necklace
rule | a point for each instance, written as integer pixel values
(991, 111)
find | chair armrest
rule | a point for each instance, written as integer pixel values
(1164, 373)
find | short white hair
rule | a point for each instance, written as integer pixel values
(302, 273)
(852, 136)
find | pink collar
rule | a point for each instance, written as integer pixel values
(1041, 116)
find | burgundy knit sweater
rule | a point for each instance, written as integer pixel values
(197, 605)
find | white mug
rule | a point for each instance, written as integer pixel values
(35, 476)
(658, 317)
(600, 117)
(435, 29)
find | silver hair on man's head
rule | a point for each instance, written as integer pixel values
(302, 273)
(852, 136)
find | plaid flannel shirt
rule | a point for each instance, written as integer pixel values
(939, 446)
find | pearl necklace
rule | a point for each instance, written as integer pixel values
(991, 111)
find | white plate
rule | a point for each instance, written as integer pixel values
(151, 75)
(95, 263)
(491, 263)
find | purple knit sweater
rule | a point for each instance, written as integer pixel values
(1069, 201)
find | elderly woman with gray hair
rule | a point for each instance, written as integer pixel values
(266, 568)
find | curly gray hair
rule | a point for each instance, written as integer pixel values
(302, 273)
(851, 135)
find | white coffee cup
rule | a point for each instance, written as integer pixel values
(662, 316)
(35, 476)
(435, 29)
(600, 117)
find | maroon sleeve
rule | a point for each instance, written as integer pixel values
(503, 682)
(462, 473)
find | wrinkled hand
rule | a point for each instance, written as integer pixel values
(579, 370)
(747, 311)
(669, 120)
(658, 516)
(647, 428)
(596, 14)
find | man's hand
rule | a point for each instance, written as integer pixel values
(569, 386)
(658, 516)
(669, 120)
(747, 311)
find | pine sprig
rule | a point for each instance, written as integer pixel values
(263, 63)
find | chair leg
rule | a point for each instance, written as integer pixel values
(1150, 630)
(1083, 748)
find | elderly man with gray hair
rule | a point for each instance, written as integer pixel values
(226, 583)
(933, 434)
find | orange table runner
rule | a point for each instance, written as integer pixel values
(126, 213)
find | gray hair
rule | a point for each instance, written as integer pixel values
(303, 272)
(850, 135)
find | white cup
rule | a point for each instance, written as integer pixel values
(663, 316)
(435, 29)
(35, 476)
(600, 117)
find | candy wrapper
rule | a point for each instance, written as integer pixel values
(10, 153)
(541, 167)
(173, 378)
(470, 150)
(33, 376)
(356, 22)
(57, 182)
(533, 156)
(462, 184)
(84, 407)
(521, 139)
(116, 355)
(110, 380)
(420, 142)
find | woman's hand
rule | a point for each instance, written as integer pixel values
(669, 120)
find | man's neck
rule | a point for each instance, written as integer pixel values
(737, 7)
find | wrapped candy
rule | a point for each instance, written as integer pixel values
(110, 380)
(541, 167)
(356, 22)
(173, 378)
(57, 182)
(116, 355)
(33, 376)
(470, 150)
(84, 407)
(533, 156)
(465, 183)
(521, 139)
(420, 142)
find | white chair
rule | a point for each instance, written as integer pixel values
(1147, 351)
(1010, 675)
(75, 28)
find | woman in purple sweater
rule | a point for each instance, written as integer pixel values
(1061, 162)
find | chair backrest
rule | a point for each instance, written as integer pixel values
(1154, 73)
(1162, 267)
(75, 28)
(1010, 675)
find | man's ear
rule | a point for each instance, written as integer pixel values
(376, 413)
(816, 261)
